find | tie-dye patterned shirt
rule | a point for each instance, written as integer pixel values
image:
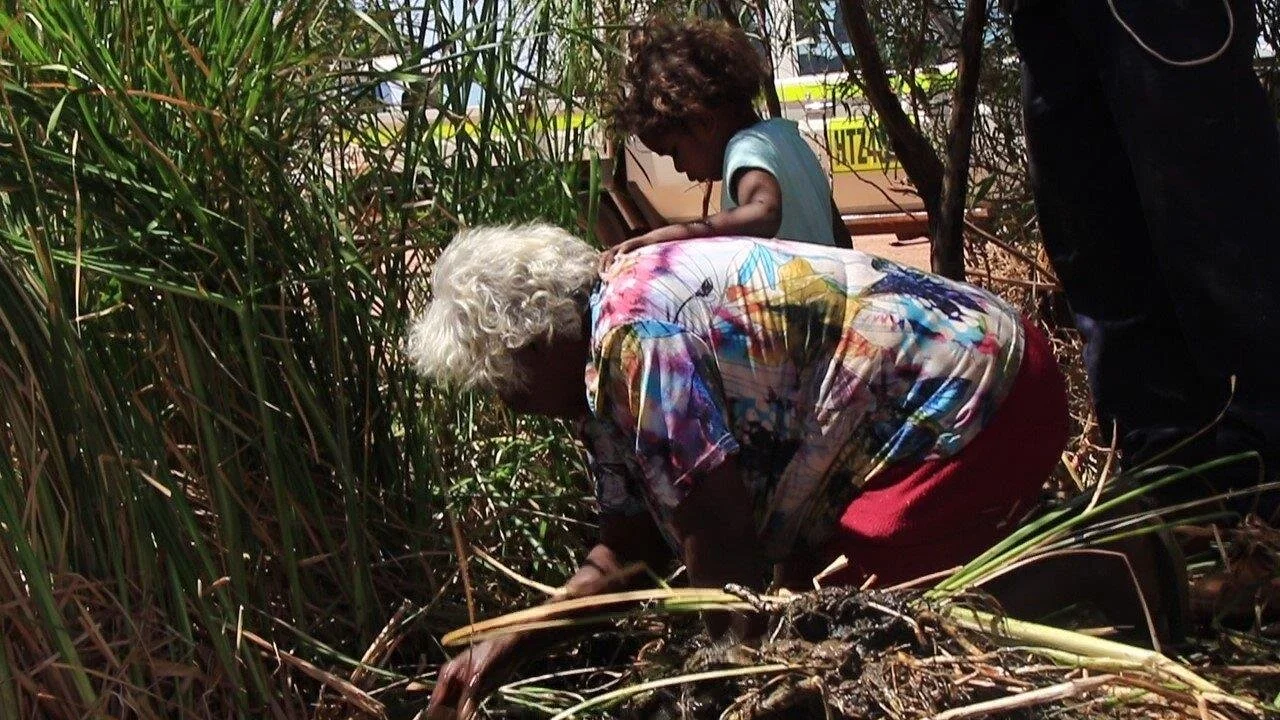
(816, 367)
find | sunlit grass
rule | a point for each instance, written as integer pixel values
(210, 247)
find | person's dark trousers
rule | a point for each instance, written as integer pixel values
(1158, 191)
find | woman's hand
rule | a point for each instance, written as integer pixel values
(467, 679)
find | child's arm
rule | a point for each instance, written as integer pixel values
(759, 214)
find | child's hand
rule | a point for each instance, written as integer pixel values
(759, 215)
(627, 246)
(670, 233)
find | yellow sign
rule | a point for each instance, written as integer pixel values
(856, 146)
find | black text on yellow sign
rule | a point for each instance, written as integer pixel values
(856, 146)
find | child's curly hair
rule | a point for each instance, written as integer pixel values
(674, 70)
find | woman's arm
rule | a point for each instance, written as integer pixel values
(468, 678)
(716, 529)
(716, 524)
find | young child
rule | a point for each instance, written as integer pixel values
(688, 93)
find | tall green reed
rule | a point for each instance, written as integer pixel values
(212, 238)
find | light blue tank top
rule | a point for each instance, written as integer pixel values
(776, 147)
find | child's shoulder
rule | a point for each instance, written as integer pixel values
(775, 140)
(770, 129)
(774, 136)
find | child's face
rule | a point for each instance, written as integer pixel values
(693, 149)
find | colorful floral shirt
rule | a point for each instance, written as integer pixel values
(816, 367)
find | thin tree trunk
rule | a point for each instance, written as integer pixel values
(910, 145)
(942, 183)
(947, 253)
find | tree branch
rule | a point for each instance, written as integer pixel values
(770, 90)
(947, 254)
(911, 147)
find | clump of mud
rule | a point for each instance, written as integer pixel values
(851, 654)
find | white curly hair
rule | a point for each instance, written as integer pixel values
(495, 290)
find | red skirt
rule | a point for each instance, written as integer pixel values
(920, 518)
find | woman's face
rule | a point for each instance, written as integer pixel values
(693, 149)
(555, 383)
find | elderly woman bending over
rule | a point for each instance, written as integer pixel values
(754, 407)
